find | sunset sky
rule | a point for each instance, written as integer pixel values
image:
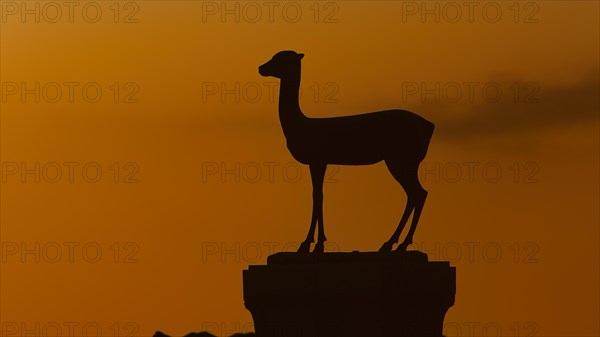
(144, 166)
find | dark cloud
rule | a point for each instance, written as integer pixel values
(553, 107)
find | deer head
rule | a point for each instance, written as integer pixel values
(281, 64)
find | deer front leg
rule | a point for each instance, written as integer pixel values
(317, 173)
(310, 238)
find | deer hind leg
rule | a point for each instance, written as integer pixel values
(418, 194)
(317, 172)
(405, 174)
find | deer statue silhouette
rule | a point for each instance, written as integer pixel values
(398, 137)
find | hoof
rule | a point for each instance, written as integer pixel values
(387, 247)
(319, 248)
(304, 247)
(402, 247)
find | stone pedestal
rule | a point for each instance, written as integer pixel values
(349, 295)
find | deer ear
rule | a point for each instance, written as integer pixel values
(300, 56)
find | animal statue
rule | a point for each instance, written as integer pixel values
(400, 138)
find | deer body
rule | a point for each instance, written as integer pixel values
(398, 137)
(358, 140)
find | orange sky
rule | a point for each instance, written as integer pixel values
(176, 229)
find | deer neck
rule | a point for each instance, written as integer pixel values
(290, 114)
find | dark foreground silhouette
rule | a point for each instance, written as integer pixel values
(366, 294)
(349, 295)
(398, 137)
(204, 334)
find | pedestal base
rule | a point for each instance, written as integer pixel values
(349, 295)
